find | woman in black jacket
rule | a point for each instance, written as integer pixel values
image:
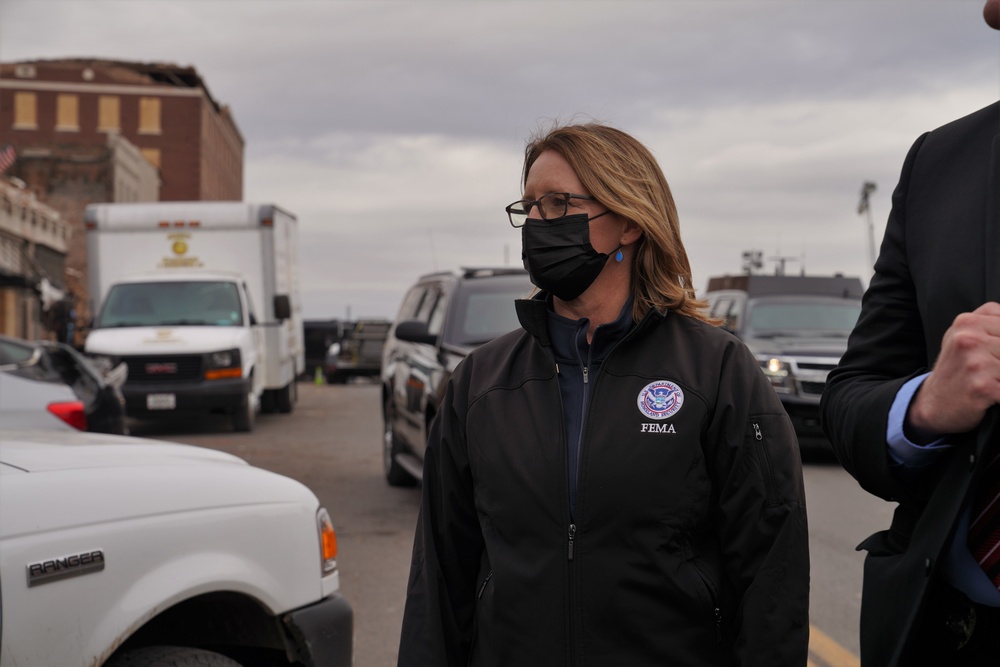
(616, 483)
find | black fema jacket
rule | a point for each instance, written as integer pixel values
(689, 544)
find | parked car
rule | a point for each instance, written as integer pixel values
(797, 327)
(119, 551)
(358, 353)
(443, 317)
(320, 335)
(45, 384)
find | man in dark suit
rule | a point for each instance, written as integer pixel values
(912, 408)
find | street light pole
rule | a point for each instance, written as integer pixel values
(864, 206)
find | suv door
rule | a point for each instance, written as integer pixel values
(420, 365)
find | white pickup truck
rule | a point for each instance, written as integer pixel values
(118, 551)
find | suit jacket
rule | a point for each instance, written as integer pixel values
(940, 257)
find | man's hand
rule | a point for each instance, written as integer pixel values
(965, 381)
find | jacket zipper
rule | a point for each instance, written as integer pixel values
(475, 620)
(765, 462)
(572, 536)
(482, 589)
(713, 597)
(571, 542)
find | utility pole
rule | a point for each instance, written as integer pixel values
(864, 206)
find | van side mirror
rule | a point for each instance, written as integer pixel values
(282, 307)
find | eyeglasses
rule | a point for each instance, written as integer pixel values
(550, 207)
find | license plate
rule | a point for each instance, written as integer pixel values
(161, 401)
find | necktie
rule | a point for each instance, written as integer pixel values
(984, 525)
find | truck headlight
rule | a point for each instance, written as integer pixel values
(327, 542)
(226, 364)
(779, 373)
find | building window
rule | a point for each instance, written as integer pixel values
(25, 111)
(68, 113)
(108, 113)
(149, 115)
(152, 155)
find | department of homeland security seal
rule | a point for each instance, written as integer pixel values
(660, 399)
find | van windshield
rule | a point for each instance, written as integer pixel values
(158, 304)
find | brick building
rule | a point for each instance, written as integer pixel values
(89, 130)
(165, 110)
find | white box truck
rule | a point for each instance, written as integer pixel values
(201, 301)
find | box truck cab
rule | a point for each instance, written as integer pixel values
(201, 301)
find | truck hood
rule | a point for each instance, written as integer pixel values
(46, 451)
(167, 340)
(54, 481)
(798, 346)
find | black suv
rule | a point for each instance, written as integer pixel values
(797, 327)
(442, 318)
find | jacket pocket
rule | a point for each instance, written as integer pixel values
(478, 615)
(758, 434)
(711, 594)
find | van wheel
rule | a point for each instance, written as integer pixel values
(285, 400)
(268, 401)
(394, 473)
(171, 656)
(243, 417)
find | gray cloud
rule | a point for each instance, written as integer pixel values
(394, 129)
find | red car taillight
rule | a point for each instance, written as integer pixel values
(71, 412)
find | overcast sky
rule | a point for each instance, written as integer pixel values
(395, 130)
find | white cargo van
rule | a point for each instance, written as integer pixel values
(201, 301)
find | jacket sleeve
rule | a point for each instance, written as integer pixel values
(886, 348)
(447, 549)
(763, 531)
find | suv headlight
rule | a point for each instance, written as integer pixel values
(779, 373)
(226, 364)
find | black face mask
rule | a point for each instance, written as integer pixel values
(559, 257)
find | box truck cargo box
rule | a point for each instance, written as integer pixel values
(201, 300)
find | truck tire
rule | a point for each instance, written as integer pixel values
(394, 473)
(268, 401)
(244, 415)
(285, 398)
(171, 656)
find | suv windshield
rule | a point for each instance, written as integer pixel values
(802, 317)
(484, 309)
(198, 303)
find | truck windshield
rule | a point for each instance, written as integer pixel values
(804, 318)
(157, 304)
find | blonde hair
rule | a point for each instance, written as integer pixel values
(625, 177)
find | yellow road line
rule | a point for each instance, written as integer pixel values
(828, 652)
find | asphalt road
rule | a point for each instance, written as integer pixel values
(331, 443)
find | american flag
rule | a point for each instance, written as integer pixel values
(7, 157)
